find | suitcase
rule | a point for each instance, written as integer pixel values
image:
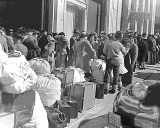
(74, 107)
(66, 76)
(84, 94)
(64, 107)
(19, 106)
(67, 91)
(23, 117)
(17, 102)
(56, 119)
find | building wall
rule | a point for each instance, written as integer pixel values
(157, 17)
(139, 25)
(111, 15)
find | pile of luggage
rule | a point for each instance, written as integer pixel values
(41, 97)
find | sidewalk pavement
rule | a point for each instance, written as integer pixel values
(103, 106)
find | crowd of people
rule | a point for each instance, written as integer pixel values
(121, 52)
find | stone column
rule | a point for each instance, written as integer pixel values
(140, 21)
(105, 15)
(154, 13)
(60, 15)
(134, 8)
(51, 16)
(119, 12)
(126, 9)
(152, 19)
(146, 21)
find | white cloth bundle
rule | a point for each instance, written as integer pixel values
(49, 88)
(40, 65)
(97, 64)
(78, 75)
(15, 74)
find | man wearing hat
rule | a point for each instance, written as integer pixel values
(112, 50)
(74, 39)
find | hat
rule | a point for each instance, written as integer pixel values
(76, 31)
(62, 33)
(118, 34)
(83, 34)
(144, 34)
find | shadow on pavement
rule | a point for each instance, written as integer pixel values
(143, 75)
(97, 122)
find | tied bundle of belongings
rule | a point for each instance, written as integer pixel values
(98, 67)
(79, 75)
(15, 74)
(40, 66)
(49, 88)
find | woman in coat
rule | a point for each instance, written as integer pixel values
(143, 51)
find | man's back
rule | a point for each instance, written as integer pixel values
(112, 49)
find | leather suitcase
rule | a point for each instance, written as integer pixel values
(23, 117)
(84, 94)
(74, 107)
(67, 91)
(56, 119)
(18, 105)
(66, 75)
(17, 102)
(64, 107)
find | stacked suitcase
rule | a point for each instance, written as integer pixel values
(16, 109)
(77, 97)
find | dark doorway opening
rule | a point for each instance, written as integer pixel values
(18, 13)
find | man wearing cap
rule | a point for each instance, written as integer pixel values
(74, 39)
(112, 50)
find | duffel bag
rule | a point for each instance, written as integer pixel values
(49, 88)
(40, 65)
(97, 64)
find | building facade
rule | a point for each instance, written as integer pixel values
(83, 15)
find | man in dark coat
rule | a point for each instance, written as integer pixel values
(31, 44)
(43, 42)
(129, 61)
(73, 40)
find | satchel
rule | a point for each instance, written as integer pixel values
(56, 118)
